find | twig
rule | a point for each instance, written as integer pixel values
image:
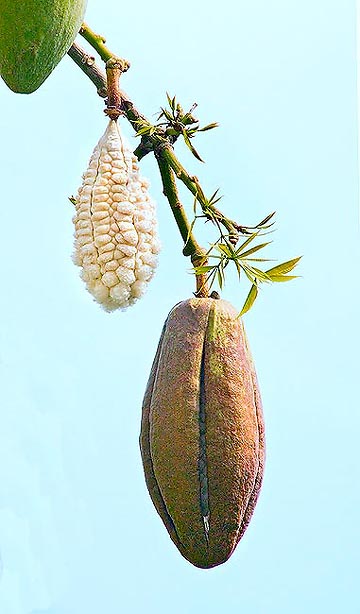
(149, 142)
(87, 64)
(96, 41)
(98, 78)
(191, 246)
(192, 183)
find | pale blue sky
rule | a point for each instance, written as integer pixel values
(78, 532)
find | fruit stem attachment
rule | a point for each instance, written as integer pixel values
(114, 69)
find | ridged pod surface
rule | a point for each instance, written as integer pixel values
(116, 241)
(202, 433)
(34, 36)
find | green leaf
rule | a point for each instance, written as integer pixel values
(188, 119)
(220, 278)
(171, 132)
(171, 101)
(259, 259)
(246, 243)
(283, 277)
(209, 127)
(266, 219)
(284, 267)
(250, 299)
(186, 246)
(168, 115)
(259, 274)
(199, 270)
(213, 197)
(238, 267)
(190, 146)
(251, 277)
(225, 249)
(146, 129)
(254, 249)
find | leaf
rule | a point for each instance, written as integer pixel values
(246, 243)
(188, 120)
(171, 101)
(259, 259)
(186, 246)
(238, 267)
(171, 132)
(283, 277)
(254, 249)
(220, 278)
(199, 270)
(259, 274)
(250, 299)
(248, 273)
(147, 129)
(208, 127)
(266, 219)
(191, 147)
(224, 249)
(213, 197)
(284, 267)
(168, 115)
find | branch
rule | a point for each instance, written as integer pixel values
(192, 183)
(87, 64)
(96, 41)
(191, 246)
(149, 142)
(160, 140)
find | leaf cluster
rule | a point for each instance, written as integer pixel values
(246, 260)
(176, 122)
(172, 123)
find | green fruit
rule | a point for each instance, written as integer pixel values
(34, 36)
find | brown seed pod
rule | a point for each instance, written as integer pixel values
(202, 433)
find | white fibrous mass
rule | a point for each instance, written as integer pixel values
(116, 240)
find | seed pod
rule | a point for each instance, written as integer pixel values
(34, 36)
(116, 241)
(202, 432)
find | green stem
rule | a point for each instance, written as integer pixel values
(192, 183)
(191, 246)
(96, 41)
